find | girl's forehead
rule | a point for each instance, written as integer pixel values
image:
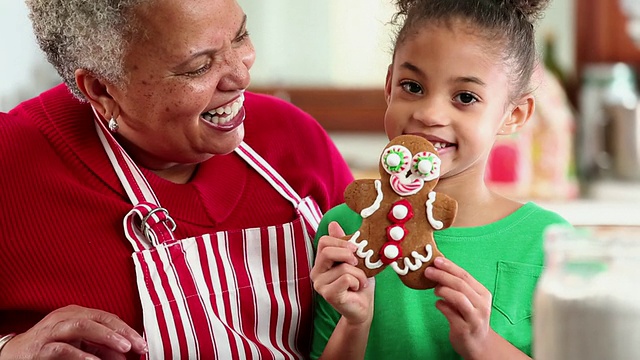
(451, 41)
(445, 55)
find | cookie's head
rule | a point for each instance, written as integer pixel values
(410, 164)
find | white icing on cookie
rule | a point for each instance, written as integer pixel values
(413, 266)
(437, 224)
(366, 212)
(366, 255)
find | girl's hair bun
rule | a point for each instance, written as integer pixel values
(531, 9)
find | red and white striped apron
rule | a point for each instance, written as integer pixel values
(242, 294)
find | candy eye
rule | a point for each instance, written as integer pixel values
(426, 165)
(395, 159)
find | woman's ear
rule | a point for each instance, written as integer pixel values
(96, 91)
(387, 84)
(519, 116)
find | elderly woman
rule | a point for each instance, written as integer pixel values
(149, 204)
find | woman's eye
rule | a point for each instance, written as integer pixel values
(411, 87)
(243, 36)
(466, 98)
(199, 71)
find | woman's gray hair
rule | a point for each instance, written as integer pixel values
(85, 34)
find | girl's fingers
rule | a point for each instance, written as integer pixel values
(330, 257)
(335, 230)
(331, 251)
(354, 306)
(451, 281)
(460, 291)
(330, 241)
(457, 301)
(334, 274)
(460, 273)
(333, 239)
(454, 318)
(342, 284)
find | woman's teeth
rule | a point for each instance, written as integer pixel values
(440, 145)
(223, 114)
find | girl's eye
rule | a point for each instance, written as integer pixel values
(396, 159)
(466, 98)
(411, 87)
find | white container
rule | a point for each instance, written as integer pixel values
(587, 303)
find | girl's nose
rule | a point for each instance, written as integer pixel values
(432, 112)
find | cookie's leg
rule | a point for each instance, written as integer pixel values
(411, 267)
(367, 254)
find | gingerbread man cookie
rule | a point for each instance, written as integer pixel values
(400, 212)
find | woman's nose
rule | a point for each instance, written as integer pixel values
(238, 62)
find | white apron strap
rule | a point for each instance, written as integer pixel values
(147, 223)
(307, 208)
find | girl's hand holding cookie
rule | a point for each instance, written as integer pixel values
(467, 306)
(337, 279)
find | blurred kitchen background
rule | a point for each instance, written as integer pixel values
(579, 156)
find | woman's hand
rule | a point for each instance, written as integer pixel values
(75, 332)
(467, 306)
(335, 278)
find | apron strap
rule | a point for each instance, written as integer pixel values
(307, 208)
(154, 223)
(130, 176)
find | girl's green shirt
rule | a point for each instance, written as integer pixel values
(505, 256)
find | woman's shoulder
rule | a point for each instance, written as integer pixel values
(18, 130)
(36, 123)
(29, 119)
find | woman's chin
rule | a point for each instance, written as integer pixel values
(229, 141)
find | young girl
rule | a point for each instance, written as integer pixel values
(459, 77)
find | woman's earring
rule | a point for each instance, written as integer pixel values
(113, 125)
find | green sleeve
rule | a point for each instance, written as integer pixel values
(326, 318)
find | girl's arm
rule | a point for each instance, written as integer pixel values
(347, 289)
(348, 341)
(498, 348)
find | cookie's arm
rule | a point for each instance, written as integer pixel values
(363, 194)
(441, 210)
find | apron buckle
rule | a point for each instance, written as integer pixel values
(147, 229)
